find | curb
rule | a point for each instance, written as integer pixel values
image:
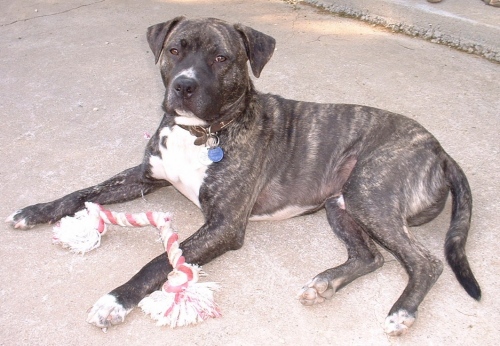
(423, 20)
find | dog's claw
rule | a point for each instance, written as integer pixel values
(107, 312)
(316, 291)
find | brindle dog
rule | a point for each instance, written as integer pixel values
(241, 155)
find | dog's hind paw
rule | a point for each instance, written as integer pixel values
(398, 323)
(316, 291)
(17, 221)
(106, 312)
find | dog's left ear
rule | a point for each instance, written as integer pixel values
(157, 34)
(259, 46)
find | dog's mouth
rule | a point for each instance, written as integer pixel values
(188, 118)
(182, 111)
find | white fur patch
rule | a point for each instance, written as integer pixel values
(188, 73)
(187, 118)
(341, 202)
(19, 224)
(398, 323)
(180, 162)
(282, 214)
(107, 311)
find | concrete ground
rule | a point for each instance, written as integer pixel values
(79, 89)
(467, 25)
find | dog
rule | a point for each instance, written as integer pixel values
(241, 155)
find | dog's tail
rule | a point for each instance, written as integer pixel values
(456, 237)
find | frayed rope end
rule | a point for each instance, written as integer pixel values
(78, 233)
(182, 300)
(193, 305)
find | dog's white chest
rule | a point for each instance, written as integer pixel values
(180, 162)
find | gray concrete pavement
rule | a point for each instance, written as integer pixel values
(78, 90)
(467, 25)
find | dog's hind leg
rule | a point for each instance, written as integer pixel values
(363, 256)
(429, 213)
(423, 268)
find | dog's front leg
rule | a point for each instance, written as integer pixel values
(113, 307)
(127, 185)
(216, 237)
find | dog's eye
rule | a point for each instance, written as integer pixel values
(220, 58)
(174, 51)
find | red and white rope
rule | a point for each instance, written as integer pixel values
(182, 300)
(82, 233)
(105, 217)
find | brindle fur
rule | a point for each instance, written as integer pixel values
(279, 153)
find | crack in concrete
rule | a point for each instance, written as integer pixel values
(51, 14)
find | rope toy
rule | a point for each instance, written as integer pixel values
(182, 300)
(82, 233)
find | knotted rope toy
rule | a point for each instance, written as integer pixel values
(182, 300)
(82, 233)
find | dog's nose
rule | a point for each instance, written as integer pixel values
(185, 87)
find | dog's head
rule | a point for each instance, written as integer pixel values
(204, 65)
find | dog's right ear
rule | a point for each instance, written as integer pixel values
(157, 34)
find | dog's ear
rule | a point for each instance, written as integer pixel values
(157, 34)
(259, 47)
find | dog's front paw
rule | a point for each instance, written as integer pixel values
(398, 323)
(18, 219)
(316, 291)
(39, 213)
(106, 312)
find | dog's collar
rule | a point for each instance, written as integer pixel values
(203, 133)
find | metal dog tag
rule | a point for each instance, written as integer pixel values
(215, 154)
